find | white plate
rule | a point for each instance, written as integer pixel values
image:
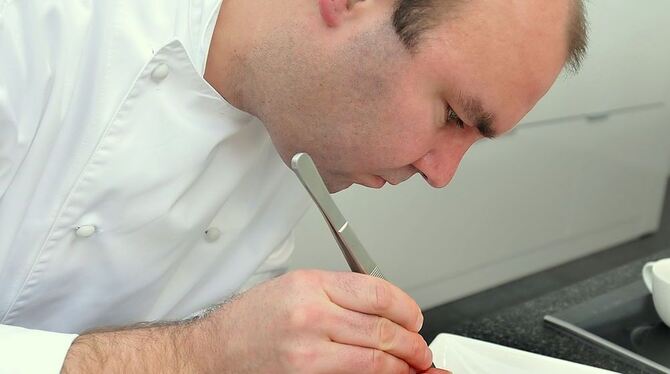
(469, 356)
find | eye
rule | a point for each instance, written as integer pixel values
(453, 117)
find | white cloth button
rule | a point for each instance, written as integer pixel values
(212, 234)
(160, 72)
(85, 231)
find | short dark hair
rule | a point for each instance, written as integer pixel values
(578, 36)
(412, 18)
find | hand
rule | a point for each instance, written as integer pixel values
(318, 322)
(303, 322)
(436, 371)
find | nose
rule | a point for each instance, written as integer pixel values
(437, 173)
(439, 165)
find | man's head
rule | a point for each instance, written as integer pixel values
(412, 18)
(375, 90)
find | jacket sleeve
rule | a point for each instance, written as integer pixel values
(32, 351)
(21, 350)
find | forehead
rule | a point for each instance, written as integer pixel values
(504, 53)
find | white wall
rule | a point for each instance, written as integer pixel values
(585, 170)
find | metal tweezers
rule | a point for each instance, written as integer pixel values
(357, 257)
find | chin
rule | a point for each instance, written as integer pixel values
(334, 187)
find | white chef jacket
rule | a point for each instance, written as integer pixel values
(130, 190)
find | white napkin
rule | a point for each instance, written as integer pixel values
(469, 356)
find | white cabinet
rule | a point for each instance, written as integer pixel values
(627, 64)
(558, 188)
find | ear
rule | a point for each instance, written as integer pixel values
(334, 12)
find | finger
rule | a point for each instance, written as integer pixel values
(436, 371)
(370, 331)
(370, 295)
(347, 359)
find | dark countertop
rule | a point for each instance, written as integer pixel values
(521, 326)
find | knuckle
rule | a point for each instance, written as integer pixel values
(417, 346)
(300, 282)
(300, 278)
(305, 316)
(386, 334)
(381, 362)
(301, 357)
(382, 296)
(377, 361)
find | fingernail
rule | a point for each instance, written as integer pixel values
(428, 356)
(419, 322)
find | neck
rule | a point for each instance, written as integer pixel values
(224, 69)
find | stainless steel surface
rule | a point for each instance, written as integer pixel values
(622, 321)
(604, 343)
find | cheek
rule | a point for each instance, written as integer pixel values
(398, 127)
(413, 130)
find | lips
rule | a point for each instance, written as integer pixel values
(373, 181)
(376, 181)
(381, 182)
(398, 181)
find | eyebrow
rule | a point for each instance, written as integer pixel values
(475, 113)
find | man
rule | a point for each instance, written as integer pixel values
(131, 191)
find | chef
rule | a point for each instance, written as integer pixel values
(143, 178)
